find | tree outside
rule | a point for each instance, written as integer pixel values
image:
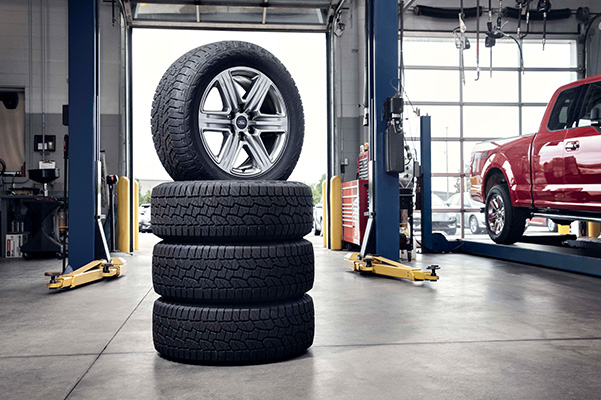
(316, 188)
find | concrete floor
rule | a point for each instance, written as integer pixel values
(487, 330)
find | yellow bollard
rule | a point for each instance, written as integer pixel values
(123, 215)
(563, 229)
(336, 212)
(136, 220)
(324, 219)
(594, 229)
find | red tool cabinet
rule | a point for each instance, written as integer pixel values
(354, 207)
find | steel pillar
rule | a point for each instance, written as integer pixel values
(83, 28)
(383, 67)
(425, 142)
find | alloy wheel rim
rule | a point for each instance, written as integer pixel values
(496, 214)
(473, 225)
(243, 122)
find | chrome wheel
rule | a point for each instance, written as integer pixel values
(495, 212)
(243, 122)
(474, 225)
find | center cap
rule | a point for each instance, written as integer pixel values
(241, 122)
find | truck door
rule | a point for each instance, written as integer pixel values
(582, 156)
(548, 151)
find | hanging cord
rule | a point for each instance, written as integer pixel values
(461, 42)
(477, 40)
(524, 9)
(495, 33)
(487, 40)
(544, 6)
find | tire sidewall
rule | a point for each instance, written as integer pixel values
(274, 70)
(508, 234)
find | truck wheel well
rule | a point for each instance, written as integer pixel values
(495, 176)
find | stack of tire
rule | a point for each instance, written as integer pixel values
(232, 269)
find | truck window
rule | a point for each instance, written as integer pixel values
(592, 98)
(562, 114)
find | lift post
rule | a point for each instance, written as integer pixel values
(383, 266)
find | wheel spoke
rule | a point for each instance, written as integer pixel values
(229, 152)
(258, 152)
(214, 121)
(270, 123)
(256, 94)
(228, 90)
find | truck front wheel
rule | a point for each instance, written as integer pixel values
(504, 223)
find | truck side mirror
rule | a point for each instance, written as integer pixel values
(596, 115)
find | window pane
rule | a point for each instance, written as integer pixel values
(445, 157)
(531, 119)
(538, 87)
(444, 188)
(557, 54)
(430, 85)
(435, 52)
(563, 110)
(503, 87)
(445, 120)
(491, 122)
(505, 54)
(592, 99)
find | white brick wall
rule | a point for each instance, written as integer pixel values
(15, 52)
(15, 71)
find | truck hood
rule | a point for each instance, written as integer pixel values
(495, 144)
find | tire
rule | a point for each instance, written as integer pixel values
(552, 226)
(222, 274)
(474, 227)
(232, 211)
(194, 142)
(233, 335)
(451, 231)
(316, 232)
(505, 224)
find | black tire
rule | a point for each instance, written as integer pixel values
(222, 274)
(316, 232)
(175, 121)
(232, 211)
(513, 224)
(451, 231)
(233, 335)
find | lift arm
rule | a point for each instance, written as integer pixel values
(383, 266)
(90, 272)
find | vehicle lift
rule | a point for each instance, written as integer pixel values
(383, 266)
(110, 267)
(364, 262)
(96, 270)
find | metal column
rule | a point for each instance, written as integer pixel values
(383, 67)
(82, 129)
(425, 142)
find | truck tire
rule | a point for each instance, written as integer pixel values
(505, 224)
(227, 110)
(232, 211)
(233, 335)
(222, 274)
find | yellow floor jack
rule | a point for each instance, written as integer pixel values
(93, 271)
(383, 266)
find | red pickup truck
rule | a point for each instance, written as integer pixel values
(555, 172)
